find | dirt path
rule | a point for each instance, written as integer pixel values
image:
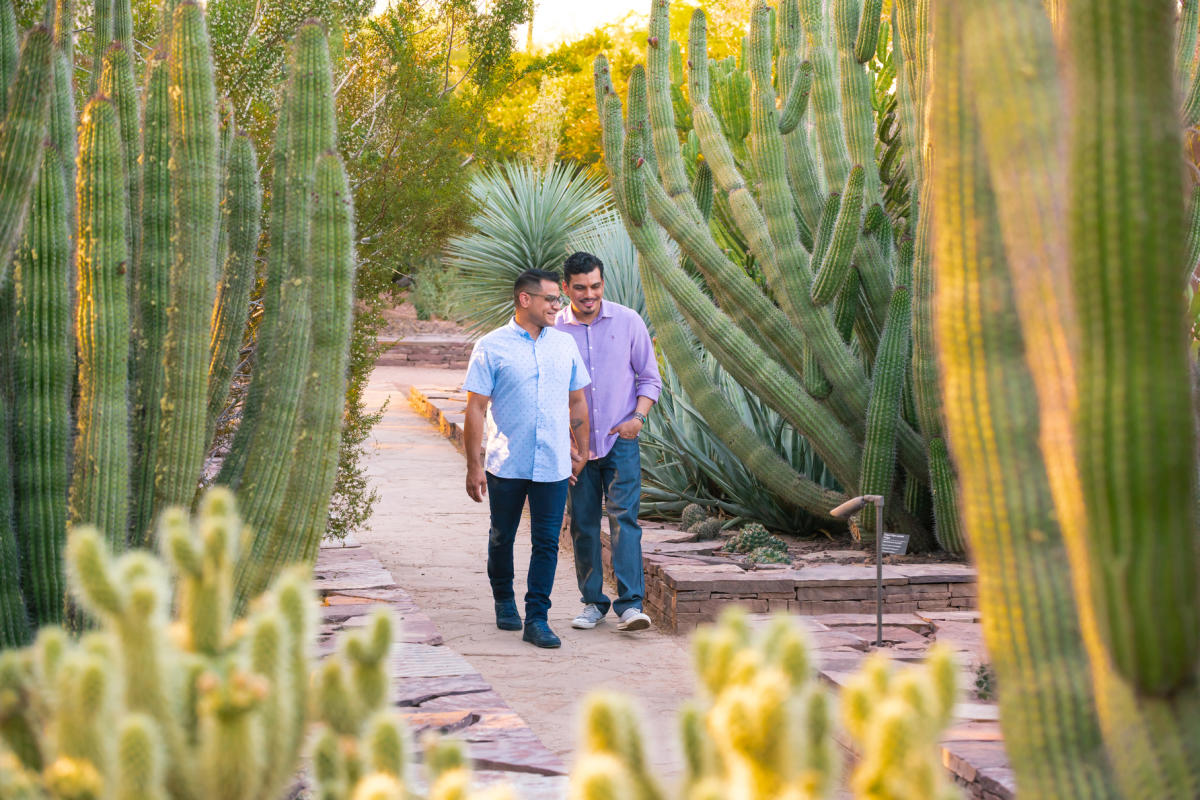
(433, 539)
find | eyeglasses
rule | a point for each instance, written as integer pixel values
(552, 299)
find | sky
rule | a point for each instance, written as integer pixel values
(565, 20)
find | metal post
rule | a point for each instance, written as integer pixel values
(879, 572)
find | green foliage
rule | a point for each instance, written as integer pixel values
(434, 293)
(526, 217)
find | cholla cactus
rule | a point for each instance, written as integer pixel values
(764, 726)
(197, 706)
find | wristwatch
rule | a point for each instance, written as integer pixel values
(640, 417)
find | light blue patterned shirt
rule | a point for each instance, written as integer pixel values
(528, 380)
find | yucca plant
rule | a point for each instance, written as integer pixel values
(525, 216)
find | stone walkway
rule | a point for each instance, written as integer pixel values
(432, 539)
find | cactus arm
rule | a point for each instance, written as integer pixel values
(151, 292)
(62, 125)
(729, 343)
(883, 415)
(835, 260)
(242, 210)
(100, 482)
(10, 51)
(1030, 624)
(827, 114)
(1193, 235)
(102, 37)
(846, 308)
(1185, 43)
(139, 760)
(1134, 376)
(854, 84)
(21, 133)
(179, 455)
(235, 461)
(912, 50)
(116, 83)
(680, 214)
(294, 536)
(14, 622)
(867, 37)
(43, 367)
(269, 456)
(804, 175)
(797, 99)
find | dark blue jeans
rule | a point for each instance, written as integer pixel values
(615, 480)
(506, 498)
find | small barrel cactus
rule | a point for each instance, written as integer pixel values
(769, 555)
(707, 529)
(754, 537)
(693, 515)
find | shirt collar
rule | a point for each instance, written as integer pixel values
(567, 315)
(517, 329)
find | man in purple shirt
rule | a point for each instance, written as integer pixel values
(619, 356)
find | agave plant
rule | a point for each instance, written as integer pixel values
(526, 215)
(684, 461)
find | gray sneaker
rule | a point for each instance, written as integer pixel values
(632, 619)
(590, 617)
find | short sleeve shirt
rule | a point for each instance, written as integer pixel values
(528, 380)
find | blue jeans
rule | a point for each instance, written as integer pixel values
(615, 479)
(506, 498)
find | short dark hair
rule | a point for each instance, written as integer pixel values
(581, 263)
(530, 281)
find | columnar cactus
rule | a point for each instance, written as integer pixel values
(1061, 227)
(798, 182)
(153, 228)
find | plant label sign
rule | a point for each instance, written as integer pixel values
(894, 544)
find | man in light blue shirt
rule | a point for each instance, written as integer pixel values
(533, 377)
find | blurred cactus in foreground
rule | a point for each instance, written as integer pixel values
(764, 727)
(200, 704)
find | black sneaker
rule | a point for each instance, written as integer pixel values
(537, 632)
(507, 616)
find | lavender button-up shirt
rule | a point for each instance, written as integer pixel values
(619, 355)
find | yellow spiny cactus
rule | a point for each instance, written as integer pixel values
(764, 727)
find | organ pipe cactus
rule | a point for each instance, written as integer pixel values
(800, 191)
(156, 342)
(1071, 417)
